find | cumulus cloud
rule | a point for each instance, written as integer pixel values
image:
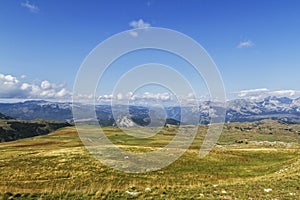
(150, 98)
(12, 87)
(288, 93)
(8, 79)
(245, 44)
(264, 92)
(139, 24)
(153, 96)
(146, 96)
(46, 85)
(30, 6)
(243, 93)
(8, 86)
(105, 98)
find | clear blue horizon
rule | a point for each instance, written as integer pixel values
(254, 43)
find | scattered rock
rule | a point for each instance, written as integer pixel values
(132, 193)
(268, 190)
(223, 192)
(282, 171)
(271, 144)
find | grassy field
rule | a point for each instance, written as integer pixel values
(250, 161)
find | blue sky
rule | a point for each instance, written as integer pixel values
(255, 43)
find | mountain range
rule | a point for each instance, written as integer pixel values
(238, 110)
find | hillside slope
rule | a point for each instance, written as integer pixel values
(11, 129)
(2, 116)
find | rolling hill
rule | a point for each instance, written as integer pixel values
(11, 129)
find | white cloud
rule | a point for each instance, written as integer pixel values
(146, 96)
(119, 96)
(243, 93)
(8, 79)
(12, 87)
(139, 24)
(31, 7)
(288, 93)
(260, 93)
(105, 98)
(8, 85)
(63, 92)
(153, 96)
(245, 44)
(25, 86)
(46, 85)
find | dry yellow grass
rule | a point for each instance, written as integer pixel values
(57, 166)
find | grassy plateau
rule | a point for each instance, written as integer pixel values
(258, 160)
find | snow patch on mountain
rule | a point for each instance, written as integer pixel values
(125, 121)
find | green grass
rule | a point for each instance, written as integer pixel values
(57, 166)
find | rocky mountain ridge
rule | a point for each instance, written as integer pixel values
(238, 110)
